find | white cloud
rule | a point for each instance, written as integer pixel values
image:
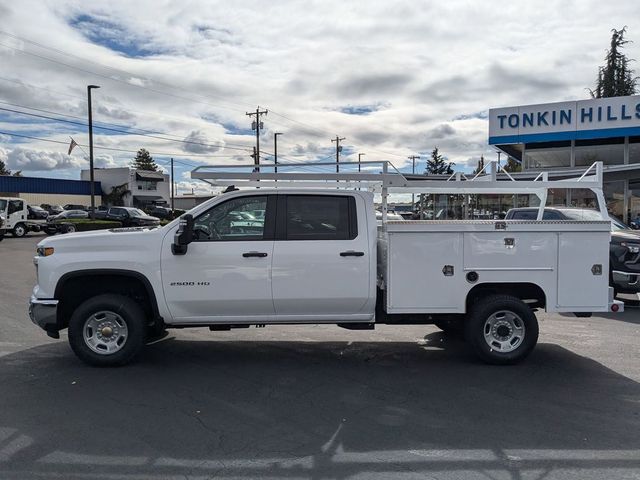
(26, 159)
(435, 79)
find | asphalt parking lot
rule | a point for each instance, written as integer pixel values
(317, 402)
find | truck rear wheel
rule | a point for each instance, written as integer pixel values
(502, 329)
(20, 230)
(107, 330)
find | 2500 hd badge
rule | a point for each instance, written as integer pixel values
(189, 284)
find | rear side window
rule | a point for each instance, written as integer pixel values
(320, 217)
(525, 215)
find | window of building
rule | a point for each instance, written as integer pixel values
(320, 217)
(634, 200)
(609, 151)
(547, 155)
(147, 185)
(634, 149)
(614, 196)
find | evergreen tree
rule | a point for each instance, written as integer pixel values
(512, 166)
(144, 161)
(17, 173)
(480, 165)
(615, 78)
(3, 169)
(437, 164)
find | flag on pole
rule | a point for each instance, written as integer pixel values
(72, 145)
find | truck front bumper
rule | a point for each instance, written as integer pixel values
(626, 282)
(44, 313)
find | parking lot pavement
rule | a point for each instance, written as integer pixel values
(317, 402)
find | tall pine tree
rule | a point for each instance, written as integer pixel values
(437, 164)
(3, 169)
(144, 161)
(615, 77)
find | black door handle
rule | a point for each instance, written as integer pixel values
(351, 253)
(254, 254)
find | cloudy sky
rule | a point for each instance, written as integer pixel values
(395, 78)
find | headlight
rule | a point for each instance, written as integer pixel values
(632, 247)
(44, 251)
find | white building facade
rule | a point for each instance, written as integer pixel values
(146, 188)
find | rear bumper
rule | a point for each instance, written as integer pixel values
(44, 313)
(626, 282)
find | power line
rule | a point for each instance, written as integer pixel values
(121, 126)
(168, 154)
(71, 122)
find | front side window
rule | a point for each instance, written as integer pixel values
(320, 217)
(233, 220)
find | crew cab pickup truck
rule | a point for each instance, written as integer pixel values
(313, 256)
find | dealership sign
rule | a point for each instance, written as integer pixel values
(584, 119)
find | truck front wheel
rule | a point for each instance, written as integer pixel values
(20, 230)
(502, 329)
(107, 330)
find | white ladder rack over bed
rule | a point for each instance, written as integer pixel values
(382, 177)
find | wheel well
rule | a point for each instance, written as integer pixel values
(75, 288)
(530, 293)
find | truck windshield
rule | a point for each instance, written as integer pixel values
(3, 205)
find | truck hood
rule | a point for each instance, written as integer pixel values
(625, 236)
(116, 238)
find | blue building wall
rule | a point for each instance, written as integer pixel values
(47, 185)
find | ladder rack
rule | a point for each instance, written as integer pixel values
(383, 178)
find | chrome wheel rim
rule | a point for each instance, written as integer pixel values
(105, 332)
(71, 229)
(504, 331)
(19, 231)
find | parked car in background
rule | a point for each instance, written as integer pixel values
(73, 206)
(624, 249)
(162, 213)
(68, 214)
(52, 209)
(132, 217)
(100, 212)
(36, 213)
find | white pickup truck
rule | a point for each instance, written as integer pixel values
(310, 255)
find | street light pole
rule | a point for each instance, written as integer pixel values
(359, 157)
(413, 171)
(275, 151)
(93, 193)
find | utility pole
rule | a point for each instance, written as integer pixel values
(257, 125)
(275, 151)
(413, 159)
(359, 157)
(93, 193)
(172, 190)
(338, 150)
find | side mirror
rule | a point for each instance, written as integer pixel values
(183, 236)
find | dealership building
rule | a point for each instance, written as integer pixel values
(565, 138)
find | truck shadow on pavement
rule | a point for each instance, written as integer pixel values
(286, 409)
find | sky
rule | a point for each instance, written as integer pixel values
(394, 78)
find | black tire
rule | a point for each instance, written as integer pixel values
(70, 229)
(20, 230)
(127, 310)
(507, 309)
